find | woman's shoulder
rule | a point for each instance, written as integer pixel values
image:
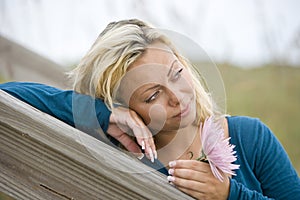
(247, 129)
(242, 120)
(243, 123)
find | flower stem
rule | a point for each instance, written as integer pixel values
(203, 157)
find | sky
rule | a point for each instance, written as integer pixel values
(246, 33)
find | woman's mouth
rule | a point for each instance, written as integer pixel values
(184, 112)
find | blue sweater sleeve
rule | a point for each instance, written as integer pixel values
(77, 110)
(267, 161)
(239, 191)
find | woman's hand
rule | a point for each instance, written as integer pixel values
(123, 121)
(196, 179)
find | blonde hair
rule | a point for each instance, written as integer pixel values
(116, 48)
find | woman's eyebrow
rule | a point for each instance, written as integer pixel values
(151, 88)
(172, 65)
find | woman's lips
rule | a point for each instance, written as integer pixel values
(184, 112)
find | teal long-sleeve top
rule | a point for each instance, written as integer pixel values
(80, 111)
(265, 169)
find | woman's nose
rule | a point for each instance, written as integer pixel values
(174, 98)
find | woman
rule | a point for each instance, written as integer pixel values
(133, 65)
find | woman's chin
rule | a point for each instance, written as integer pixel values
(179, 123)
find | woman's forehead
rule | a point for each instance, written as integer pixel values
(152, 67)
(146, 74)
(156, 53)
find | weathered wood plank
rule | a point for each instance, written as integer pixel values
(44, 158)
(21, 64)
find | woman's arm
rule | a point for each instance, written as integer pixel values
(85, 113)
(68, 106)
(269, 164)
(239, 191)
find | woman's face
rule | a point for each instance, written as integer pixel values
(159, 89)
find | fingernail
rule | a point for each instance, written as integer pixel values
(172, 164)
(171, 178)
(139, 155)
(171, 171)
(155, 154)
(151, 155)
(143, 145)
(147, 155)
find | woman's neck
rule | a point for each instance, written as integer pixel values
(173, 145)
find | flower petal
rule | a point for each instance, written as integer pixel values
(218, 150)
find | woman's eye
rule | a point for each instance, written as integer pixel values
(152, 97)
(177, 75)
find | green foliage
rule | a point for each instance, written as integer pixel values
(270, 93)
(1, 79)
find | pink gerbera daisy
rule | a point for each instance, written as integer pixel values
(216, 150)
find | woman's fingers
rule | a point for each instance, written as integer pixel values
(193, 193)
(186, 183)
(128, 120)
(196, 179)
(190, 164)
(143, 135)
(145, 140)
(188, 174)
(209, 190)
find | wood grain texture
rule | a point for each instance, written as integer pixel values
(44, 158)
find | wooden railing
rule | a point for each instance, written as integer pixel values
(44, 158)
(19, 63)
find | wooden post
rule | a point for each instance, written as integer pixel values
(44, 158)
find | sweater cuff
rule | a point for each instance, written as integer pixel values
(103, 116)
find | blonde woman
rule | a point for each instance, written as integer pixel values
(133, 67)
(132, 64)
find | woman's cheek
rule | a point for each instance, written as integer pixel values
(157, 117)
(188, 80)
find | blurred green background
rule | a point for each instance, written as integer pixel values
(271, 93)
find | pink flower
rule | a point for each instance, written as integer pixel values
(216, 150)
